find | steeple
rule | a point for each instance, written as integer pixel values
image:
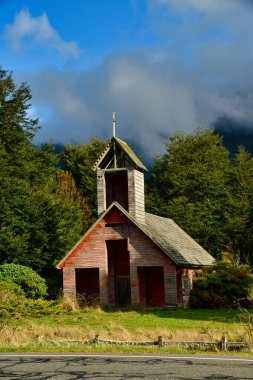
(114, 124)
(120, 178)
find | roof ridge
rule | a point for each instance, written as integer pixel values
(127, 150)
(117, 138)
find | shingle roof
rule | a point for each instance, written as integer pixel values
(167, 235)
(127, 150)
(175, 242)
(130, 154)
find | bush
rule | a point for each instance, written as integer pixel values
(11, 298)
(10, 293)
(223, 285)
(29, 281)
(39, 307)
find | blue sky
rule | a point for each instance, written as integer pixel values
(163, 65)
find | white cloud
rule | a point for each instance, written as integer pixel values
(38, 30)
(152, 100)
(235, 16)
(157, 91)
(210, 6)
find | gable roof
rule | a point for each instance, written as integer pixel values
(126, 149)
(167, 235)
(174, 241)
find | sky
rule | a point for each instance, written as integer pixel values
(162, 65)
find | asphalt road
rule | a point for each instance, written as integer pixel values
(73, 367)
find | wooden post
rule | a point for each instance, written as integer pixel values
(38, 339)
(160, 341)
(224, 344)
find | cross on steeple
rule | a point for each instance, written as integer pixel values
(114, 123)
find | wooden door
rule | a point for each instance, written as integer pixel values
(154, 286)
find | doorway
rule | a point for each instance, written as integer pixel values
(118, 272)
(151, 284)
(87, 285)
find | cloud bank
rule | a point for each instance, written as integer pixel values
(199, 71)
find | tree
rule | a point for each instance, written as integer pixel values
(16, 126)
(239, 214)
(79, 160)
(190, 185)
(37, 224)
(71, 195)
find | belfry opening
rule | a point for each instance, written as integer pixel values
(116, 184)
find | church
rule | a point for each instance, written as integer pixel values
(129, 256)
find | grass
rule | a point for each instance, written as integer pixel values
(19, 332)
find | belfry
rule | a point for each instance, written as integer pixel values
(120, 178)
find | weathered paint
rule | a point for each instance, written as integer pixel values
(126, 187)
(91, 252)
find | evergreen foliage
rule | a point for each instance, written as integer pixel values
(37, 223)
(10, 293)
(239, 213)
(224, 285)
(189, 185)
(12, 297)
(24, 277)
(209, 195)
(69, 192)
(16, 126)
(79, 161)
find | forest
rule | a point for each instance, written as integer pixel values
(48, 199)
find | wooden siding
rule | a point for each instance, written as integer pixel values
(131, 193)
(135, 189)
(136, 201)
(179, 287)
(101, 191)
(91, 252)
(139, 196)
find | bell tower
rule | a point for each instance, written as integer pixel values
(120, 178)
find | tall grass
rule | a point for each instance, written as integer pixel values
(58, 320)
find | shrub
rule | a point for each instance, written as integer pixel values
(31, 283)
(223, 285)
(39, 307)
(10, 293)
(11, 298)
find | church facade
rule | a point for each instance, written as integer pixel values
(129, 256)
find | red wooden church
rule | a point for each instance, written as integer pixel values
(129, 256)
